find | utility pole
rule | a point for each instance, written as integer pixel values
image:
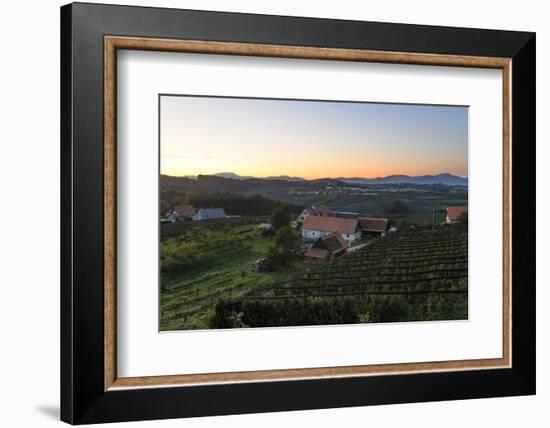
(433, 216)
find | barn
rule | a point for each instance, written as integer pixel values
(326, 247)
(374, 227)
(316, 255)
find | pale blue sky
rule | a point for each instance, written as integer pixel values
(310, 139)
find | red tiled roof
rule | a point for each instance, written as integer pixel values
(330, 224)
(373, 224)
(333, 242)
(316, 253)
(184, 210)
(453, 213)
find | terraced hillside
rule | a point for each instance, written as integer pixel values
(411, 276)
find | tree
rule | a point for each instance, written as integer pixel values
(189, 198)
(178, 200)
(280, 217)
(396, 207)
(281, 251)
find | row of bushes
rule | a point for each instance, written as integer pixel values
(338, 310)
(253, 313)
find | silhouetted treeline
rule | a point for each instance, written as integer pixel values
(231, 203)
(251, 313)
(338, 310)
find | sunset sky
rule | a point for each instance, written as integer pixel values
(310, 139)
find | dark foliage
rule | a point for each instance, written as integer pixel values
(230, 314)
(337, 310)
(233, 204)
(396, 207)
(280, 217)
(285, 243)
(388, 309)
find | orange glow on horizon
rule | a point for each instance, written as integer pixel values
(263, 138)
(323, 164)
(312, 174)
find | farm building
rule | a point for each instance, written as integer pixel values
(326, 247)
(374, 227)
(316, 255)
(209, 214)
(315, 227)
(182, 213)
(321, 211)
(454, 214)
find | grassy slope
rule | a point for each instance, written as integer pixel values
(407, 264)
(188, 297)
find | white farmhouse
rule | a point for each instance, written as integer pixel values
(209, 214)
(315, 227)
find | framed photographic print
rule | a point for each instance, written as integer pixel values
(266, 213)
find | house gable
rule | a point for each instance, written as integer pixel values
(454, 213)
(332, 242)
(344, 226)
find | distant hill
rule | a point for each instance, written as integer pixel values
(284, 178)
(216, 183)
(361, 195)
(234, 176)
(231, 175)
(445, 178)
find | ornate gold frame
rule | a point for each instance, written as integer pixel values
(113, 43)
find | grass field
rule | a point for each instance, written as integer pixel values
(219, 266)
